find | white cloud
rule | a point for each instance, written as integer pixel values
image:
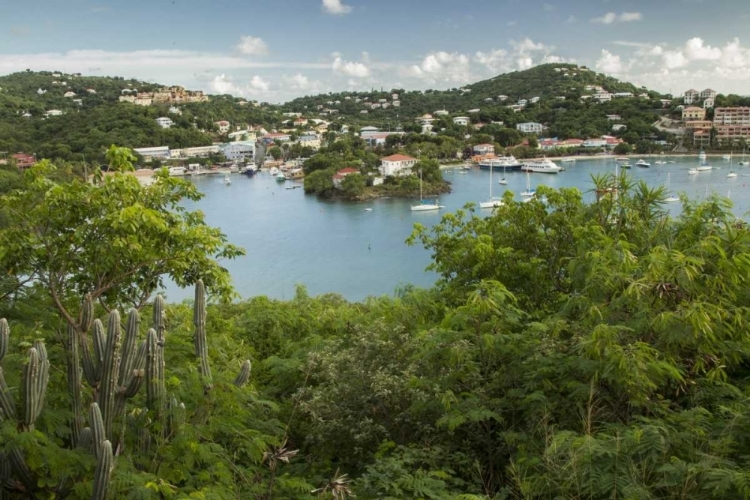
(350, 68)
(609, 63)
(524, 54)
(335, 7)
(695, 50)
(259, 85)
(612, 17)
(442, 67)
(512, 23)
(674, 59)
(252, 46)
(571, 19)
(221, 84)
(301, 83)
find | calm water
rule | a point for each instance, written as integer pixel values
(340, 247)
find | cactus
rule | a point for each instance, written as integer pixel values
(110, 369)
(4, 332)
(98, 434)
(35, 378)
(7, 405)
(104, 466)
(74, 383)
(199, 320)
(244, 374)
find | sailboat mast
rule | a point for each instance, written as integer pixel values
(420, 184)
(492, 167)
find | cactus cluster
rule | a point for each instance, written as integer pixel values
(115, 366)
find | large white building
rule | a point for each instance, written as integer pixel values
(396, 165)
(310, 141)
(164, 122)
(530, 127)
(461, 120)
(238, 150)
(196, 152)
(159, 153)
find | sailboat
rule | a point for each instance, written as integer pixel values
(671, 198)
(501, 181)
(227, 180)
(743, 162)
(494, 202)
(732, 174)
(424, 205)
(529, 193)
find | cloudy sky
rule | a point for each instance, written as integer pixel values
(276, 50)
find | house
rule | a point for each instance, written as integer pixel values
(386, 105)
(665, 103)
(462, 121)
(238, 151)
(732, 116)
(522, 102)
(441, 112)
(489, 99)
(91, 91)
(643, 95)
(602, 96)
(693, 113)
(341, 174)
(174, 110)
(196, 152)
(396, 104)
(690, 96)
(614, 118)
(164, 122)
(69, 94)
(425, 119)
(276, 137)
(394, 97)
(79, 102)
(379, 138)
(375, 105)
(41, 91)
(708, 103)
(623, 94)
(397, 164)
(363, 112)
(159, 153)
(364, 131)
(618, 127)
(23, 161)
(381, 101)
(26, 115)
(530, 127)
(595, 143)
(483, 149)
(310, 141)
(223, 126)
(534, 100)
(502, 98)
(300, 122)
(53, 112)
(708, 94)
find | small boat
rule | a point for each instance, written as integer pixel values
(692, 171)
(424, 205)
(463, 172)
(726, 157)
(704, 168)
(731, 174)
(543, 166)
(503, 162)
(368, 209)
(280, 177)
(529, 193)
(626, 165)
(702, 156)
(743, 163)
(568, 160)
(502, 180)
(642, 164)
(274, 171)
(622, 158)
(660, 162)
(493, 202)
(466, 167)
(671, 198)
(227, 180)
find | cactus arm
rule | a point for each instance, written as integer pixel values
(244, 374)
(74, 383)
(129, 347)
(7, 405)
(99, 345)
(110, 369)
(97, 431)
(29, 390)
(199, 320)
(4, 335)
(103, 471)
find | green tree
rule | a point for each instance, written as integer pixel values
(275, 152)
(320, 182)
(353, 185)
(623, 149)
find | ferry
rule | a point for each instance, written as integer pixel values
(543, 166)
(503, 162)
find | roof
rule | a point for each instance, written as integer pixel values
(398, 157)
(348, 170)
(693, 108)
(485, 145)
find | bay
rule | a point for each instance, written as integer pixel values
(292, 238)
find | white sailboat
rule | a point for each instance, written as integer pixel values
(494, 202)
(732, 174)
(529, 193)
(502, 181)
(743, 162)
(671, 198)
(424, 206)
(227, 180)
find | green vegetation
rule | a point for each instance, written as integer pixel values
(568, 350)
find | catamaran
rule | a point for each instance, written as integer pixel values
(494, 202)
(423, 204)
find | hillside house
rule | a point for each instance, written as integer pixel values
(397, 164)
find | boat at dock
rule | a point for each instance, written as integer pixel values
(529, 193)
(502, 162)
(543, 166)
(493, 202)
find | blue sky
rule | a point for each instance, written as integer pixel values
(277, 50)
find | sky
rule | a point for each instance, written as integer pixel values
(276, 50)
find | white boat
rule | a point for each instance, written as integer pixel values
(280, 177)
(671, 198)
(529, 193)
(504, 162)
(274, 171)
(368, 209)
(568, 160)
(622, 158)
(543, 166)
(177, 170)
(726, 157)
(743, 163)
(702, 156)
(660, 162)
(466, 167)
(423, 204)
(642, 164)
(502, 180)
(732, 174)
(493, 202)
(227, 180)
(692, 171)
(704, 168)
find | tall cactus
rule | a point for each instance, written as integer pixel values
(201, 347)
(74, 383)
(110, 369)
(4, 332)
(244, 374)
(103, 471)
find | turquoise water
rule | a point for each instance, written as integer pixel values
(340, 247)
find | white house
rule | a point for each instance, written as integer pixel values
(483, 149)
(175, 111)
(159, 152)
(618, 126)
(708, 103)
(368, 130)
(69, 94)
(396, 164)
(603, 96)
(242, 135)
(623, 94)
(595, 143)
(196, 152)
(41, 91)
(223, 126)
(530, 127)
(534, 100)
(502, 98)
(310, 141)
(461, 121)
(394, 97)
(91, 91)
(614, 118)
(441, 112)
(53, 112)
(474, 111)
(164, 122)
(396, 104)
(708, 94)
(239, 150)
(691, 96)
(522, 102)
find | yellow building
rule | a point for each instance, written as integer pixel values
(693, 113)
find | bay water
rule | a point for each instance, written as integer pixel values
(333, 246)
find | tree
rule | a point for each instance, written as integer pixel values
(508, 137)
(533, 142)
(623, 149)
(320, 182)
(276, 152)
(115, 240)
(353, 185)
